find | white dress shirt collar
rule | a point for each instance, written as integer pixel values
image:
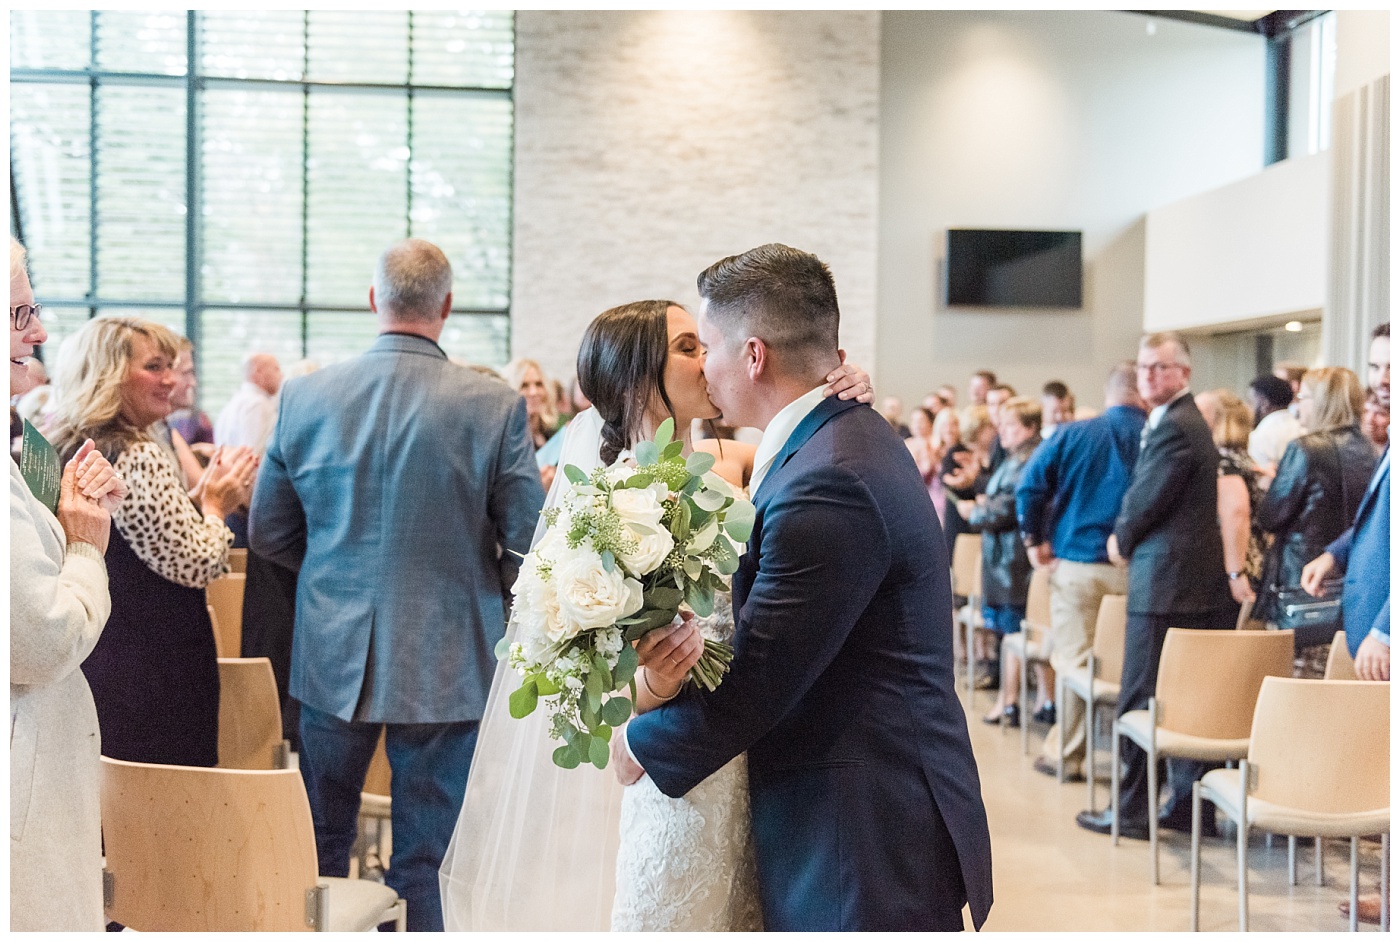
(1156, 414)
(779, 430)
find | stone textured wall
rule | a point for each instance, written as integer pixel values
(651, 144)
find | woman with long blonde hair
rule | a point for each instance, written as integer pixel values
(154, 674)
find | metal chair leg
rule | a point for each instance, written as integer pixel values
(1195, 856)
(1320, 848)
(1292, 860)
(1385, 881)
(1152, 798)
(1116, 775)
(1355, 867)
(1090, 770)
(1060, 748)
(1242, 847)
(1025, 692)
(971, 656)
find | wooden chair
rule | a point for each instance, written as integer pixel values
(376, 813)
(1207, 684)
(223, 850)
(1098, 681)
(225, 598)
(250, 715)
(1032, 645)
(1318, 765)
(237, 560)
(1340, 666)
(967, 582)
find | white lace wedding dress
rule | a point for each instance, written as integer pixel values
(537, 847)
(686, 864)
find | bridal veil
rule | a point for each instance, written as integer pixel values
(535, 846)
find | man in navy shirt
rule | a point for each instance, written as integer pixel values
(1069, 497)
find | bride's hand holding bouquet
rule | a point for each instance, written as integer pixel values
(624, 550)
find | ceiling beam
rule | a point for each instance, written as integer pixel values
(1275, 24)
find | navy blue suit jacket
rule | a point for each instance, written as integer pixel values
(1363, 553)
(841, 692)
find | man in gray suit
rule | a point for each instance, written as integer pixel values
(400, 485)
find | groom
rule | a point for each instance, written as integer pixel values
(867, 812)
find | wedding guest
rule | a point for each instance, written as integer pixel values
(1321, 479)
(1291, 373)
(528, 378)
(1375, 421)
(892, 410)
(58, 605)
(966, 467)
(1237, 491)
(1066, 506)
(403, 490)
(949, 394)
(1056, 405)
(1274, 423)
(192, 423)
(153, 674)
(1006, 569)
(928, 455)
(978, 385)
(247, 419)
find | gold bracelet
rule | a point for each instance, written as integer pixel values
(647, 684)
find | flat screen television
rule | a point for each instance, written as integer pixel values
(1015, 268)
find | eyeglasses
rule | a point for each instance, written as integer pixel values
(20, 315)
(1154, 368)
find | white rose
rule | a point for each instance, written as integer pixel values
(637, 505)
(652, 548)
(590, 596)
(539, 614)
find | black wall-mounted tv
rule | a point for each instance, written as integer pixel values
(1015, 268)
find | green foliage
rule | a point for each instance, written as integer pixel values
(617, 711)
(575, 474)
(522, 702)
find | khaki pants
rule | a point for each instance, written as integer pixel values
(1076, 589)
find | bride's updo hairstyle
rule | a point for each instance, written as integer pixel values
(622, 367)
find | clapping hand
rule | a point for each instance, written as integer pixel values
(966, 473)
(227, 483)
(82, 511)
(96, 479)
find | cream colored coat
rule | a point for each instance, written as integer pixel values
(58, 606)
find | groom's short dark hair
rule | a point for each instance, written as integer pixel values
(781, 295)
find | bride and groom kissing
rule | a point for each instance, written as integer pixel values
(865, 811)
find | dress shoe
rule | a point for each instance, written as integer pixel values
(1181, 823)
(1101, 822)
(1368, 909)
(1046, 714)
(1046, 767)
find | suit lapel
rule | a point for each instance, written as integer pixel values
(1378, 480)
(823, 413)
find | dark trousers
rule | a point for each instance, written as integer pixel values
(429, 762)
(1141, 655)
(269, 614)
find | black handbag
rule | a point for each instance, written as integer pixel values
(1314, 619)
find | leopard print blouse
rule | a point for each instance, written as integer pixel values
(161, 523)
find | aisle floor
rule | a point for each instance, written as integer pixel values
(1051, 875)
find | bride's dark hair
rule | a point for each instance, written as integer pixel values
(621, 366)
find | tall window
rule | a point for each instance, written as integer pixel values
(305, 141)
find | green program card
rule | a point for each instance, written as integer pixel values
(39, 464)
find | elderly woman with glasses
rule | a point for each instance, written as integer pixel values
(154, 673)
(58, 606)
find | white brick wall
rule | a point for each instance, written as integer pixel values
(651, 144)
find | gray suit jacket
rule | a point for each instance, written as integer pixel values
(398, 484)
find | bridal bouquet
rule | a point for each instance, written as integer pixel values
(624, 549)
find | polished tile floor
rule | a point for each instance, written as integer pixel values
(1050, 875)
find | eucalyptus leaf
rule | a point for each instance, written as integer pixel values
(609, 561)
(626, 667)
(605, 677)
(701, 600)
(588, 712)
(575, 474)
(680, 523)
(546, 687)
(699, 462)
(709, 500)
(739, 520)
(693, 567)
(617, 711)
(502, 648)
(566, 757)
(665, 432)
(639, 481)
(673, 450)
(598, 752)
(523, 701)
(593, 687)
(663, 597)
(719, 485)
(647, 453)
(727, 566)
(703, 538)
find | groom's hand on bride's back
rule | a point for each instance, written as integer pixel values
(624, 766)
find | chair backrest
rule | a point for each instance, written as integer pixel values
(195, 849)
(1208, 681)
(1322, 745)
(377, 779)
(1038, 603)
(967, 564)
(1110, 634)
(250, 714)
(225, 597)
(237, 560)
(1340, 666)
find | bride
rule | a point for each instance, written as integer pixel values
(542, 848)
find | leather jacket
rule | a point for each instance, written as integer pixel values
(1304, 508)
(1006, 569)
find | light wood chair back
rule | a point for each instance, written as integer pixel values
(1110, 637)
(250, 715)
(238, 560)
(1322, 745)
(225, 597)
(207, 850)
(1340, 666)
(1208, 681)
(967, 565)
(1038, 604)
(378, 777)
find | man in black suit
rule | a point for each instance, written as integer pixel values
(866, 807)
(1169, 532)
